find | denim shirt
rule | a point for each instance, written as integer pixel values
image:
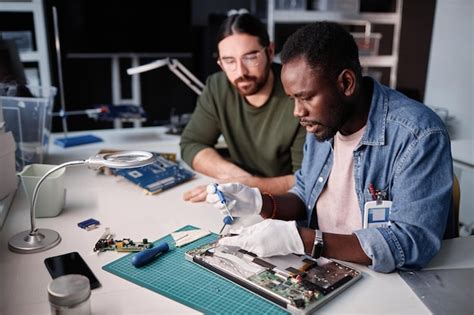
(405, 152)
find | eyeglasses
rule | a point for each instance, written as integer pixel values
(250, 60)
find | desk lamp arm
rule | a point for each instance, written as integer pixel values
(34, 230)
(186, 76)
(176, 67)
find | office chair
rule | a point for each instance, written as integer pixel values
(452, 226)
(455, 206)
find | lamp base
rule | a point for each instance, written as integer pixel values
(27, 242)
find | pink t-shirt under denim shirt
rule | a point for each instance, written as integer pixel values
(337, 207)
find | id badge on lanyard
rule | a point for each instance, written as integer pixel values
(377, 212)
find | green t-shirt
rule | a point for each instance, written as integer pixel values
(265, 141)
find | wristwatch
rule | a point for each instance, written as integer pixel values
(318, 244)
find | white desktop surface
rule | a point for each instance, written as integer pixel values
(131, 214)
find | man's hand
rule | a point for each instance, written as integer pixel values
(196, 194)
(267, 238)
(241, 200)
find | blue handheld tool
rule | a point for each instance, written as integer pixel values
(228, 219)
(149, 255)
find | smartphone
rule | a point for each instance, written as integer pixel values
(70, 263)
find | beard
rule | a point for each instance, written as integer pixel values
(340, 114)
(252, 84)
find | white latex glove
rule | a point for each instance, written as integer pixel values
(267, 238)
(241, 200)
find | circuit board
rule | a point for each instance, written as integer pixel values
(161, 175)
(297, 283)
(124, 245)
(107, 243)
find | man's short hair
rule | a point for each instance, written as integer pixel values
(244, 24)
(326, 46)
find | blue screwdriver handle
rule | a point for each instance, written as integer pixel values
(148, 255)
(228, 219)
(220, 195)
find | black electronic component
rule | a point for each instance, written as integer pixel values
(299, 303)
(70, 263)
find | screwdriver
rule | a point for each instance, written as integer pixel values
(148, 255)
(228, 219)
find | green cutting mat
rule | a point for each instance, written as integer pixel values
(173, 276)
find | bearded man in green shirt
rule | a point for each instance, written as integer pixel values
(246, 103)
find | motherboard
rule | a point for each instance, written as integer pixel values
(158, 176)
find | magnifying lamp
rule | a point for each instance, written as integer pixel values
(37, 240)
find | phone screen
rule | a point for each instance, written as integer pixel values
(70, 263)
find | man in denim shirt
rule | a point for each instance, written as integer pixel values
(390, 146)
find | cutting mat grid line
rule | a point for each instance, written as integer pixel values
(185, 282)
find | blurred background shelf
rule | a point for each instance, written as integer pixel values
(349, 14)
(40, 55)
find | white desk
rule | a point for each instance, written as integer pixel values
(131, 214)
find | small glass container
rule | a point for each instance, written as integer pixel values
(69, 295)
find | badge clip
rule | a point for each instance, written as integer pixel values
(377, 212)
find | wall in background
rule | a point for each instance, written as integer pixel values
(415, 40)
(450, 82)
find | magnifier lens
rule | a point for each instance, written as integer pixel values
(124, 159)
(129, 157)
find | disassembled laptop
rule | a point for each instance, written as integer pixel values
(298, 284)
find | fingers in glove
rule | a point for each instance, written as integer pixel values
(219, 205)
(232, 241)
(223, 210)
(211, 189)
(231, 205)
(237, 231)
(230, 188)
(212, 198)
